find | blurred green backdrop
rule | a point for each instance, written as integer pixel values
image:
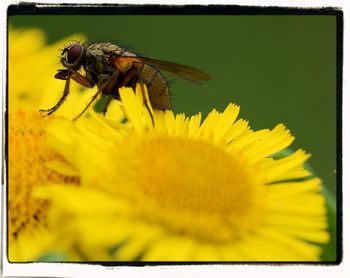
(279, 69)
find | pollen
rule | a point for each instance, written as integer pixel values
(27, 168)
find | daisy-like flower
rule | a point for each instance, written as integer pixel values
(32, 86)
(167, 187)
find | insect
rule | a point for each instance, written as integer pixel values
(110, 67)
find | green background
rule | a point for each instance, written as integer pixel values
(279, 69)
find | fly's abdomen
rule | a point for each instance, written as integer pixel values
(158, 90)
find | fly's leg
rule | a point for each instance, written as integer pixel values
(128, 77)
(62, 99)
(67, 75)
(142, 82)
(108, 91)
(105, 107)
(108, 83)
(81, 79)
(149, 109)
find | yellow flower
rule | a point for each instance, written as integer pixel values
(29, 163)
(32, 86)
(169, 188)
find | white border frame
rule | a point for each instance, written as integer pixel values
(271, 271)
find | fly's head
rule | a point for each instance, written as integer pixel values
(73, 55)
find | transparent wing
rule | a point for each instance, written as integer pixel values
(179, 70)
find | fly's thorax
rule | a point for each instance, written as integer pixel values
(97, 58)
(98, 62)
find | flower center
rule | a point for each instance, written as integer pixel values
(192, 186)
(28, 156)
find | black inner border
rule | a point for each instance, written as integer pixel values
(124, 9)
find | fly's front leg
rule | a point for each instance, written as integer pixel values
(67, 75)
(62, 99)
(81, 79)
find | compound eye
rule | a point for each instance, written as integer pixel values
(74, 52)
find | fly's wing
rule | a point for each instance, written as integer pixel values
(179, 70)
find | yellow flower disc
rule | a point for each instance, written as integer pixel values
(28, 157)
(208, 190)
